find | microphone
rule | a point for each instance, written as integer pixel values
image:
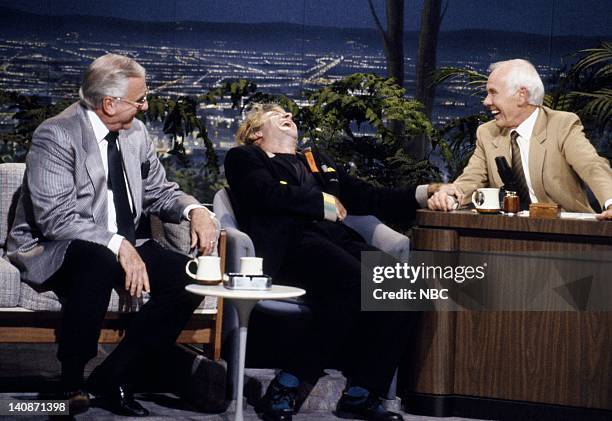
(505, 172)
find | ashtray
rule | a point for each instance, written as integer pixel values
(247, 282)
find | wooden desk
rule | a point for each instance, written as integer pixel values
(556, 358)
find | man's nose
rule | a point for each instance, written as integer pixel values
(487, 101)
(288, 115)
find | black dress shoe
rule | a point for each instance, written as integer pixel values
(278, 404)
(119, 400)
(364, 408)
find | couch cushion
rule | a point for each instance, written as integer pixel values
(119, 302)
(9, 284)
(11, 176)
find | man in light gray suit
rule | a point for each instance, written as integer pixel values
(91, 174)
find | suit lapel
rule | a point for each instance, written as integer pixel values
(131, 165)
(94, 167)
(537, 153)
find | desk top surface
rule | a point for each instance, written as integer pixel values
(467, 219)
(276, 292)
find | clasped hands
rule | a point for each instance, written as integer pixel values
(203, 235)
(444, 197)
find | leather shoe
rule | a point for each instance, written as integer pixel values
(367, 407)
(278, 404)
(119, 400)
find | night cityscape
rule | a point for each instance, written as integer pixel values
(190, 58)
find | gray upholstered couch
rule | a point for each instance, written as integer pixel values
(27, 315)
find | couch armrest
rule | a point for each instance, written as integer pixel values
(176, 237)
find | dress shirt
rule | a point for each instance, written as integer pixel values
(524, 130)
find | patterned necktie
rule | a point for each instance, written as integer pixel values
(518, 172)
(116, 183)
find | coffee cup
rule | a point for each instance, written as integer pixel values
(209, 269)
(251, 266)
(486, 200)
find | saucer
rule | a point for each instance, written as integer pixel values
(489, 211)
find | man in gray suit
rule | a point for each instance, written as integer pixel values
(91, 174)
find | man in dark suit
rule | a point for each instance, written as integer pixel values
(91, 174)
(292, 205)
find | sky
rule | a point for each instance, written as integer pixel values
(556, 17)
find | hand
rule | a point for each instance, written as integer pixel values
(605, 215)
(340, 210)
(446, 197)
(136, 277)
(203, 230)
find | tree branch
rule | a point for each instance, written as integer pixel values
(377, 22)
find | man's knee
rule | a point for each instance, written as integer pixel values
(91, 261)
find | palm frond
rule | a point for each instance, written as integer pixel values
(594, 57)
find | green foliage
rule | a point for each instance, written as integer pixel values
(366, 119)
(455, 142)
(194, 180)
(585, 88)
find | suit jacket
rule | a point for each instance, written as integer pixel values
(64, 194)
(270, 204)
(560, 158)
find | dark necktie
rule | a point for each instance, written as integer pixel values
(518, 172)
(116, 183)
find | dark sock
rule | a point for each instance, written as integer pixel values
(287, 379)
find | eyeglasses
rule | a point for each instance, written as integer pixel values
(139, 103)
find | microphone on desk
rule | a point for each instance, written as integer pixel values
(505, 172)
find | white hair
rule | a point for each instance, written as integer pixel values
(522, 74)
(108, 76)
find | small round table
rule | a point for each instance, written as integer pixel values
(244, 300)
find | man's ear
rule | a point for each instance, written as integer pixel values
(108, 106)
(256, 135)
(523, 95)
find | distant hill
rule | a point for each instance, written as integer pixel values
(15, 22)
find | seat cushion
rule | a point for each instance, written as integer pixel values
(9, 284)
(120, 301)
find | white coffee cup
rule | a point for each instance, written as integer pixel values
(209, 269)
(486, 200)
(251, 265)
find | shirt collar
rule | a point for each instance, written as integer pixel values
(525, 129)
(99, 129)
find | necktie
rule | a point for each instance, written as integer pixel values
(116, 183)
(518, 172)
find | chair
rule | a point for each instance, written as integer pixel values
(240, 245)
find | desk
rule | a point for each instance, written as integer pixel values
(244, 300)
(555, 358)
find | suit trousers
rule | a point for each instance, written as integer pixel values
(84, 283)
(325, 259)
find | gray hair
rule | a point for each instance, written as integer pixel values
(522, 74)
(108, 76)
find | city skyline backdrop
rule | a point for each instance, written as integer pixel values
(44, 49)
(547, 17)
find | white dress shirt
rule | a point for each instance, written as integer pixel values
(524, 130)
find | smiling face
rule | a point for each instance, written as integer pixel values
(508, 108)
(277, 125)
